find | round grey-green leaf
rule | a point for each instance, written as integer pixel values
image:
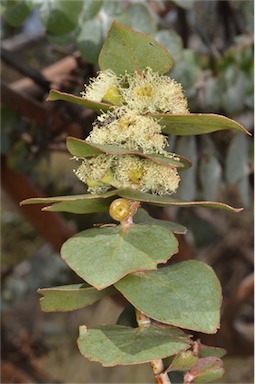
(125, 50)
(102, 256)
(187, 295)
(120, 345)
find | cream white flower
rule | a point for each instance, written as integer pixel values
(145, 175)
(127, 171)
(151, 93)
(131, 131)
(128, 126)
(96, 173)
(159, 179)
(103, 88)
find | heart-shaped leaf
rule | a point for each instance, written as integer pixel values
(196, 123)
(120, 345)
(82, 148)
(206, 370)
(85, 203)
(96, 106)
(168, 201)
(173, 295)
(118, 251)
(142, 217)
(125, 50)
(70, 297)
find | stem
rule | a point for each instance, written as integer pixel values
(157, 365)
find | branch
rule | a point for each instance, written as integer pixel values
(157, 365)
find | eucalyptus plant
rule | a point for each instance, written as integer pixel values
(125, 162)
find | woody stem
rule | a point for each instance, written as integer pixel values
(157, 365)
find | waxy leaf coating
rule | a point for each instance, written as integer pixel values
(142, 217)
(118, 251)
(163, 201)
(196, 124)
(188, 295)
(120, 345)
(130, 51)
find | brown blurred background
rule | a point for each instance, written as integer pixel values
(49, 45)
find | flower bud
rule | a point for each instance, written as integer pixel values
(120, 209)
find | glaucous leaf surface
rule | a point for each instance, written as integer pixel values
(237, 167)
(237, 159)
(118, 251)
(70, 297)
(172, 41)
(55, 95)
(142, 217)
(173, 295)
(90, 39)
(130, 194)
(85, 203)
(167, 201)
(82, 148)
(187, 146)
(141, 18)
(210, 170)
(127, 50)
(196, 123)
(120, 345)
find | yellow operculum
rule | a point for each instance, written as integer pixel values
(120, 209)
(113, 96)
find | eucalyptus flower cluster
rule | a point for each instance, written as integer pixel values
(130, 125)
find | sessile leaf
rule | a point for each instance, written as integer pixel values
(121, 345)
(173, 295)
(118, 251)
